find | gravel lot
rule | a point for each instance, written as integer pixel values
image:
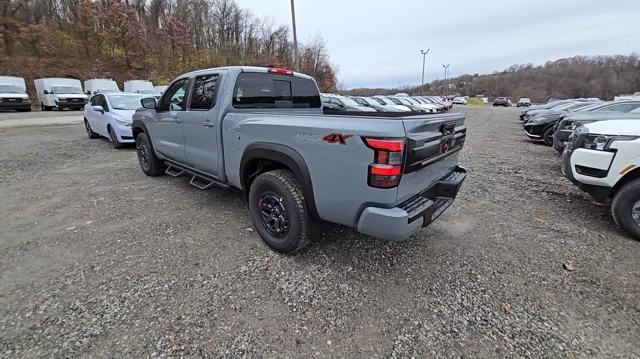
(97, 259)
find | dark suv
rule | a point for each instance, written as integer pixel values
(501, 101)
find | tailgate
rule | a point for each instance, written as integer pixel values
(433, 143)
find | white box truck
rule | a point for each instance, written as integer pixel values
(94, 86)
(60, 93)
(139, 86)
(13, 94)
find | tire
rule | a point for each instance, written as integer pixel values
(114, 139)
(547, 136)
(279, 191)
(92, 135)
(44, 108)
(622, 208)
(149, 163)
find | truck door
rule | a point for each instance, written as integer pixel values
(199, 124)
(166, 127)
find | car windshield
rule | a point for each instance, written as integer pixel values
(525, 99)
(578, 106)
(636, 110)
(369, 101)
(148, 92)
(123, 102)
(11, 89)
(348, 101)
(501, 98)
(66, 90)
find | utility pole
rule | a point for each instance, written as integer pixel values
(296, 60)
(424, 59)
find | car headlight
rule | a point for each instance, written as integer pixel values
(603, 142)
(122, 121)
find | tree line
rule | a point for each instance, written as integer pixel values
(576, 77)
(146, 39)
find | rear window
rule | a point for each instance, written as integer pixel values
(264, 90)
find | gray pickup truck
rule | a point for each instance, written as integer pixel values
(263, 130)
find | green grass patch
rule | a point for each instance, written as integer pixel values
(475, 101)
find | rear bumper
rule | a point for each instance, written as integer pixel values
(399, 223)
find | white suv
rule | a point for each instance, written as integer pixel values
(603, 158)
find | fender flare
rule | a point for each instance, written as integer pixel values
(137, 124)
(286, 156)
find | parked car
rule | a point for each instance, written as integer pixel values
(426, 101)
(404, 100)
(602, 160)
(110, 115)
(541, 127)
(556, 106)
(524, 102)
(459, 101)
(342, 103)
(13, 94)
(501, 101)
(60, 93)
(262, 130)
(568, 123)
(443, 101)
(369, 102)
(94, 86)
(429, 108)
(387, 102)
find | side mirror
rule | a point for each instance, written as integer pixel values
(149, 103)
(98, 109)
(46, 92)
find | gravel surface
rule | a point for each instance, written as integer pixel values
(97, 259)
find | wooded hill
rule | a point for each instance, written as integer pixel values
(581, 76)
(145, 39)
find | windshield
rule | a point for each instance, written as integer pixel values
(66, 90)
(348, 101)
(11, 89)
(525, 99)
(148, 92)
(578, 106)
(383, 101)
(123, 102)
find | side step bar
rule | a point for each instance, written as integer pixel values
(202, 183)
(174, 171)
(198, 180)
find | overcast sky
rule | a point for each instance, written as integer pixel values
(376, 43)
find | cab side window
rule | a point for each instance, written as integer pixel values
(203, 96)
(173, 98)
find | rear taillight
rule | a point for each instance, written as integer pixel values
(386, 169)
(276, 70)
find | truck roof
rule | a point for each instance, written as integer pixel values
(239, 69)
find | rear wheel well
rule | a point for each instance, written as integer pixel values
(258, 166)
(630, 176)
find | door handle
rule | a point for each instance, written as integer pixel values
(209, 124)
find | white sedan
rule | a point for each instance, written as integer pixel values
(459, 101)
(109, 115)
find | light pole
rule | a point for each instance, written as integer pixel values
(446, 69)
(296, 60)
(424, 59)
